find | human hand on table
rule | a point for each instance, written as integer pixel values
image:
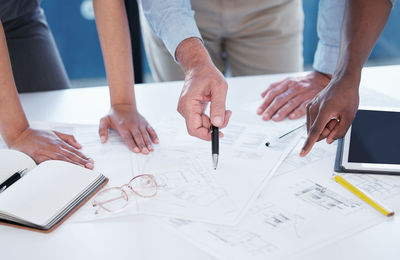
(204, 83)
(331, 112)
(289, 97)
(136, 132)
(44, 145)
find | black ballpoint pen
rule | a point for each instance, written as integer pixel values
(12, 179)
(215, 145)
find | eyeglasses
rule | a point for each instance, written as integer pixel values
(116, 198)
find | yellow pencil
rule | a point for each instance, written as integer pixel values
(362, 195)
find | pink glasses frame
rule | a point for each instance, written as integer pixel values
(124, 195)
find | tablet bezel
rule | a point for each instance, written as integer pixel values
(367, 167)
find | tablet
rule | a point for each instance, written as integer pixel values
(372, 143)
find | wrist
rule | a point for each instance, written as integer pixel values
(17, 134)
(191, 54)
(122, 96)
(124, 106)
(321, 74)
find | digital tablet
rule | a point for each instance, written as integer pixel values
(372, 143)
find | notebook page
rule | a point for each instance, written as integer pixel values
(12, 161)
(45, 190)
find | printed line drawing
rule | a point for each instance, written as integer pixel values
(323, 198)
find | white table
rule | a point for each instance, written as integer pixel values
(140, 237)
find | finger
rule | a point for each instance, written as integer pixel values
(128, 139)
(228, 115)
(270, 96)
(299, 111)
(195, 127)
(315, 131)
(74, 158)
(138, 138)
(286, 109)
(339, 131)
(56, 154)
(104, 125)
(329, 127)
(146, 138)
(217, 107)
(205, 121)
(152, 134)
(278, 102)
(75, 151)
(272, 86)
(70, 139)
(308, 124)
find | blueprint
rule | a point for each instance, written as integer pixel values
(300, 209)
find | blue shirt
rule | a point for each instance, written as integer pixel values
(171, 20)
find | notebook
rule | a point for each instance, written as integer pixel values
(46, 194)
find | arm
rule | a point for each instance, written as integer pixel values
(113, 29)
(14, 127)
(289, 97)
(332, 111)
(173, 21)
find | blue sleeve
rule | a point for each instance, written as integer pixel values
(171, 20)
(330, 17)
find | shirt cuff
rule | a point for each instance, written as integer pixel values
(325, 58)
(178, 29)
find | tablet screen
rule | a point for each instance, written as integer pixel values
(375, 137)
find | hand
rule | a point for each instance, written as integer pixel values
(331, 113)
(204, 83)
(51, 145)
(289, 97)
(200, 87)
(131, 126)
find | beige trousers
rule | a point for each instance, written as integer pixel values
(243, 37)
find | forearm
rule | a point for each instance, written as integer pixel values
(192, 54)
(363, 22)
(12, 118)
(113, 29)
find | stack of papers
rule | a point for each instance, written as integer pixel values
(182, 165)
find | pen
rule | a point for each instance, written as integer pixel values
(12, 179)
(215, 145)
(364, 196)
(268, 143)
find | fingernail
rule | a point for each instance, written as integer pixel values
(79, 146)
(89, 165)
(103, 139)
(144, 150)
(259, 111)
(302, 153)
(291, 115)
(91, 160)
(275, 116)
(157, 141)
(136, 150)
(218, 121)
(265, 117)
(150, 147)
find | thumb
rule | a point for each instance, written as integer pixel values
(217, 107)
(103, 129)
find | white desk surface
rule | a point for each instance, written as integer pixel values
(140, 237)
